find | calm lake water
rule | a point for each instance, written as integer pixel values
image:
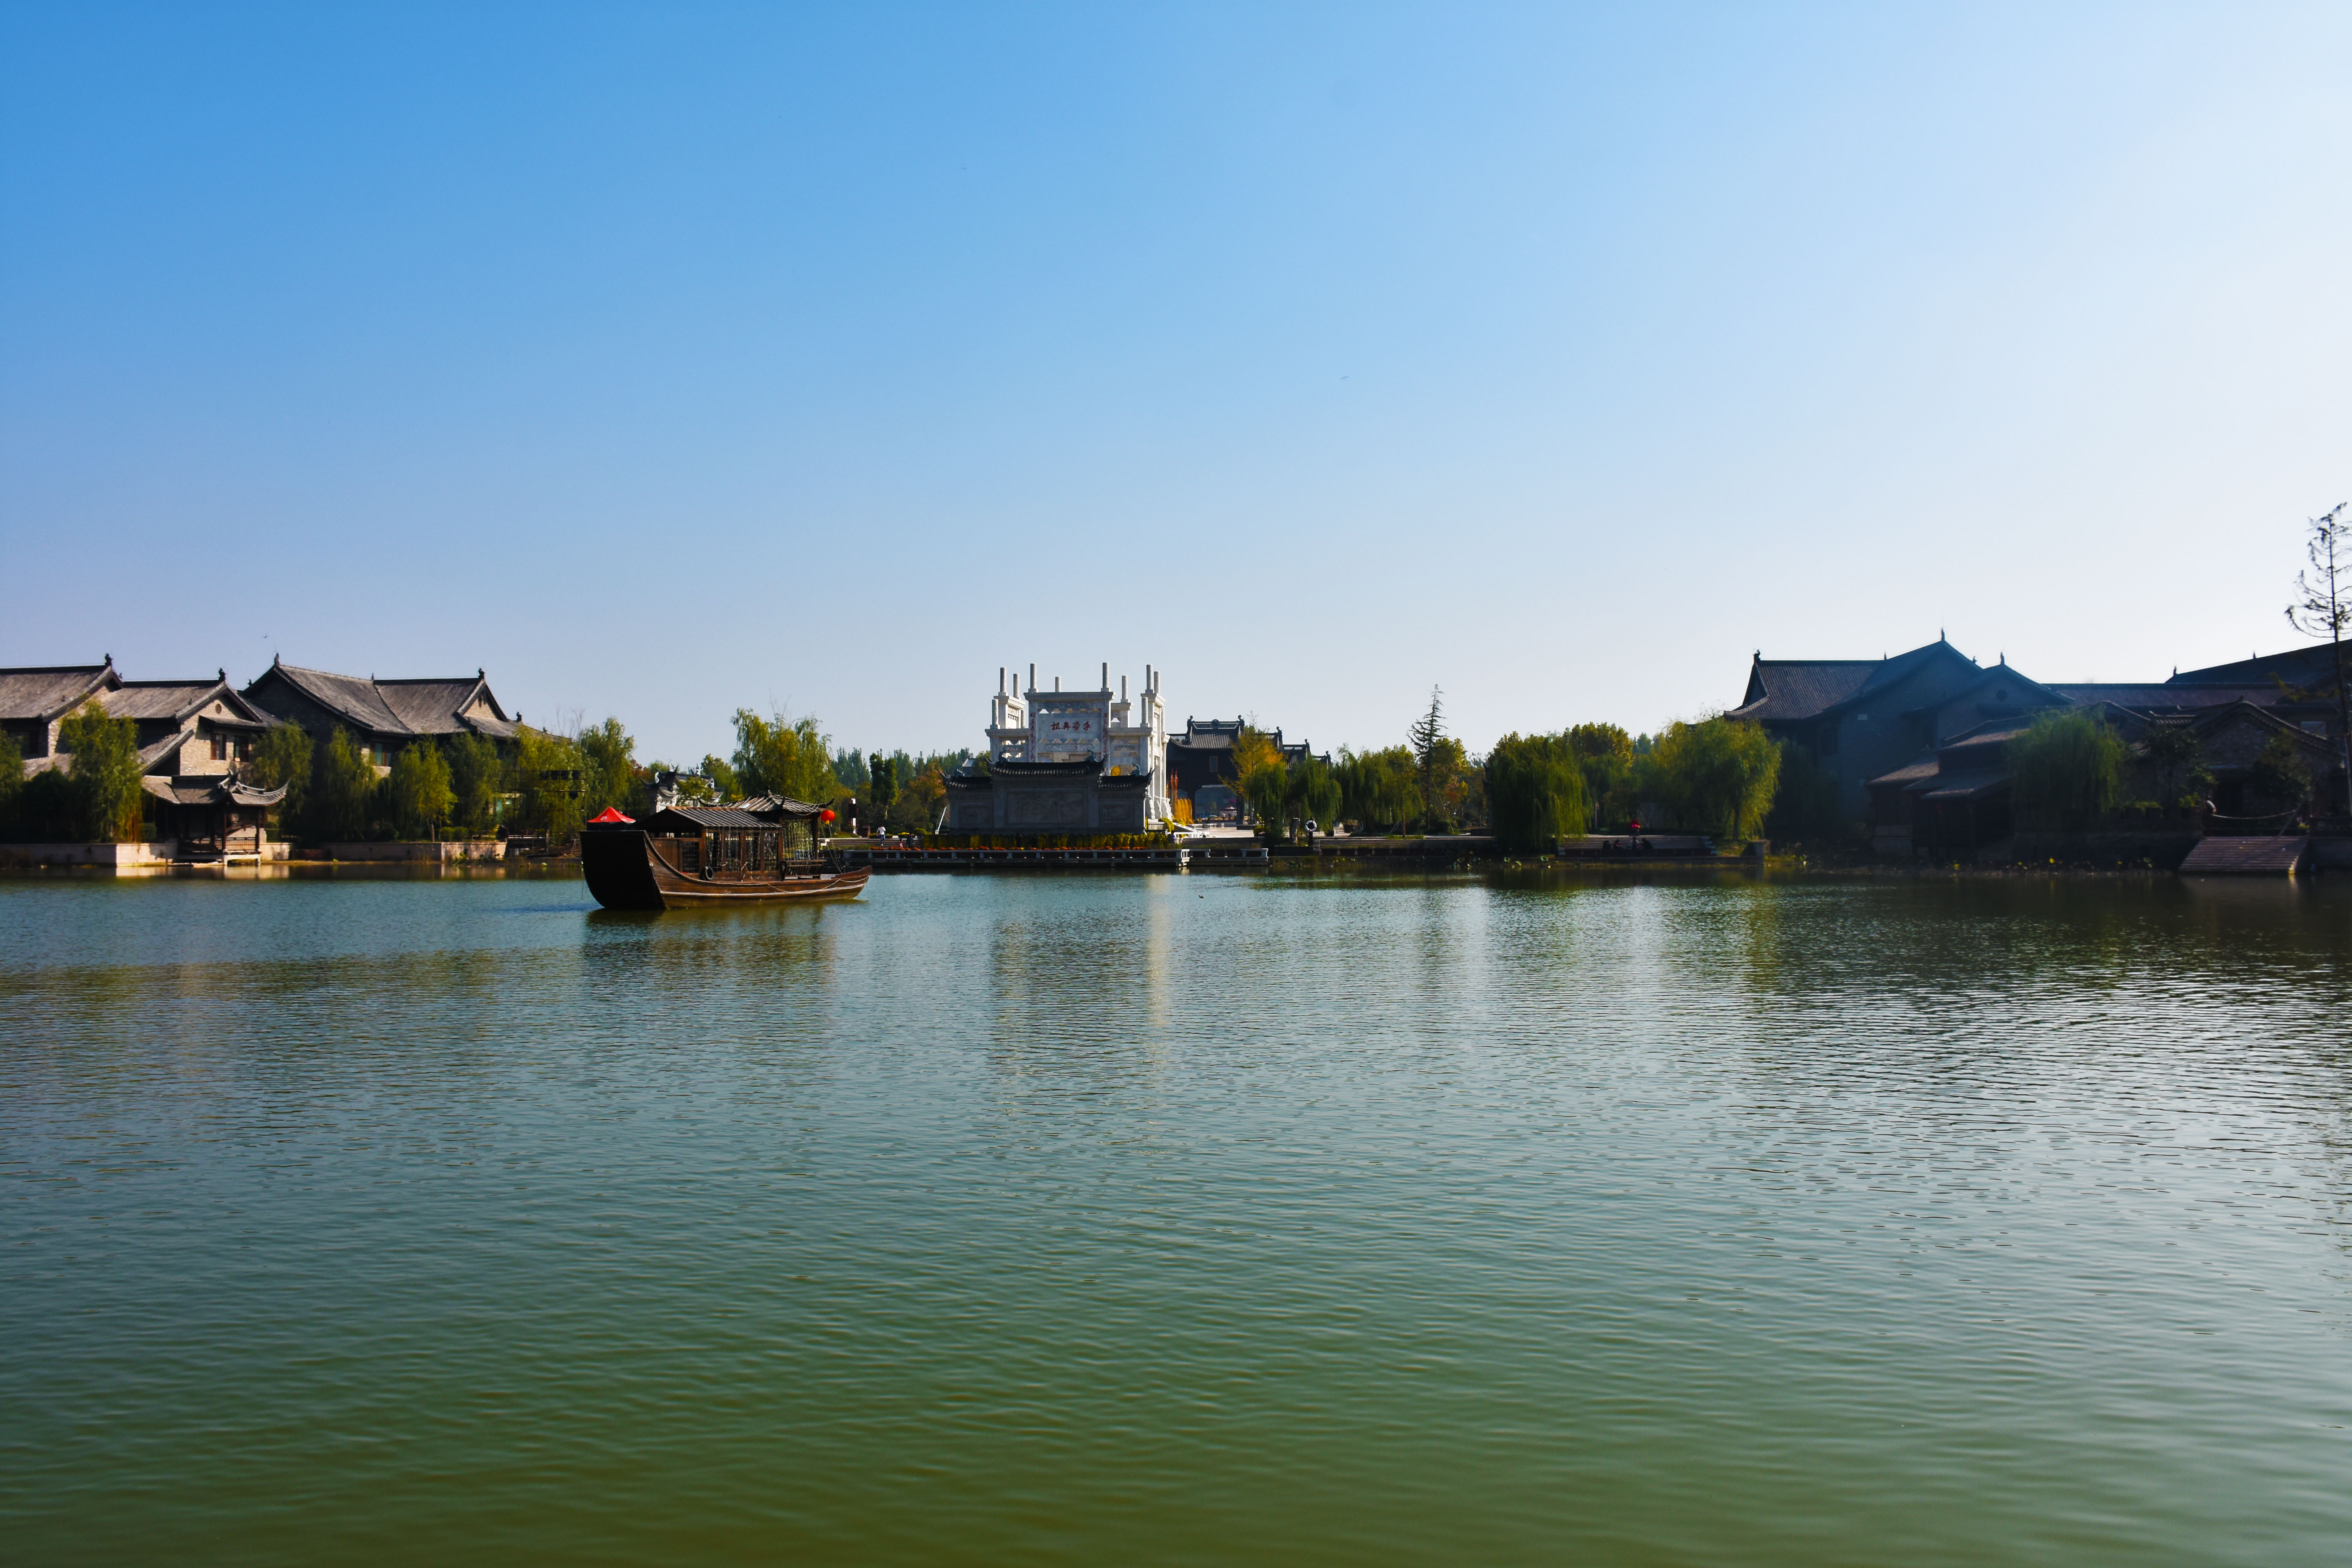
(1179, 1219)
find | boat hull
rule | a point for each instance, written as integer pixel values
(626, 870)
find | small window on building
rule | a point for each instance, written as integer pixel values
(220, 747)
(2316, 726)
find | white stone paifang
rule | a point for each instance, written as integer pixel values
(1127, 736)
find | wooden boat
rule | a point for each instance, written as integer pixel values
(763, 851)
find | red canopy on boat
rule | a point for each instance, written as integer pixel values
(611, 814)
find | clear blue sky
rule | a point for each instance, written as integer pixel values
(665, 360)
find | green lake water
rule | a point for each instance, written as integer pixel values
(1204, 1218)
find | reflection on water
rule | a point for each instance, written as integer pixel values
(1535, 1216)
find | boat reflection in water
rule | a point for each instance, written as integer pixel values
(762, 850)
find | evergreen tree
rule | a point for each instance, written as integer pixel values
(1426, 736)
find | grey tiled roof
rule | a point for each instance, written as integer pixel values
(2147, 698)
(211, 792)
(1786, 690)
(714, 817)
(1789, 688)
(422, 706)
(174, 700)
(2313, 666)
(44, 691)
(780, 805)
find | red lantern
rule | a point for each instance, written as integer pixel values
(825, 815)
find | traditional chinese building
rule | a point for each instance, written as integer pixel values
(1060, 762)
(193, 737)
(383, 716)
(1202, 774)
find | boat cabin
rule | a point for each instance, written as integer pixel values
(762, 837)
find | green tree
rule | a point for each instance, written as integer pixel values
(543, 783)
(342, 790)
(1426, 735)
(721, 773)
(1535, 793)
(12, 781)
(1604, 755)
(1259, 776)
(475, 771)
(1454, 785)
(2323, 609)
(1265, 786)
(1718, 775)
(418, 792)
(49, 809)
(106, 773)
(2173, 754)
(784, 756)
(1380, 789)
(282, 757)
(1313, 794)
(2280, 774)
(2066, 770)
(851, 770)
(610, 759)
(920, 803)
(885, 788)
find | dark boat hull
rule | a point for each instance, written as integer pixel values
(626, 870)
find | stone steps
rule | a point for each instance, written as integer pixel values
(2264, 856)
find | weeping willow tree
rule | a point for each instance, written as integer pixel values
(1381, 788)
(1719, 775)
(1535, 793)
(2066, 771)
(1312, 792)
(1604, 755)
